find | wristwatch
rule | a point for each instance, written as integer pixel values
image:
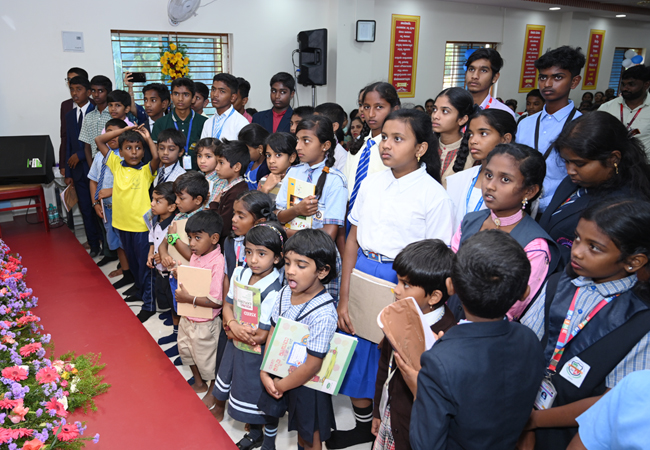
(172, 238)
(96, 203)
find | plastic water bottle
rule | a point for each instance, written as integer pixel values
(50, 213)
(56, 214)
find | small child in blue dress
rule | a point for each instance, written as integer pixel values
(263, 248)
(310, 260)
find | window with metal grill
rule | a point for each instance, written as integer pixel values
(454, 74)
(139, 51)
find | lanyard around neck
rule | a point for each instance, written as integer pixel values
(629, 125)
(469, 194)
(223, 124)
(189, 132)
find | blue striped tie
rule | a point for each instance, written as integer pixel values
(362, 171)
(101, 175)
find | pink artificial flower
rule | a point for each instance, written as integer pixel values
(21, 432)
(14, 373)
(5, 435)
(64, 383)
(68, 432)
(47, 375)
(34, 444)
(57, 406)
(27, 319)
(30, 348)
(6, 339)
(18, 413)
(8, 403)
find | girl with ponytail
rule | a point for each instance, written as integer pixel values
(406, 204)
(453, 108)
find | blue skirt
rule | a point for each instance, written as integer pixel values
(360, 378)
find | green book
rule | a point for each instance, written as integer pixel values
(247, 303)
(287, 351)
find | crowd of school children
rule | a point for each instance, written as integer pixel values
(524, 243)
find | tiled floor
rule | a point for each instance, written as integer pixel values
(285, 440)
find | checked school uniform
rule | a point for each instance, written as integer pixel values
(244, 367)
(332, 205)
(309, 410)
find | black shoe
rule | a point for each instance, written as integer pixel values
(132, 298)
(172, 351)
(190, 381)
(145, 315)
(127, 278)
(168, 322)
(345, 439)
(133, 290)
(178, 361)
(247, 443)
(166, 315)
(167, 339)
(105, 260)
(95, 252)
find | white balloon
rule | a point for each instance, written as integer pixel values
(627, 62)
(630, 54)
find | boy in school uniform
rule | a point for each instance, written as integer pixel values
(335, 113)
(184, 119)
(201, 98)
(482, 73)
(231, 166)
(460, 403)
(156, 102)
(170, 145)
(192, 191)
(198, 338)
(131, 181)
(559, 73)
(298, 114)
(163, 208)
(66, 107)
(101, 191)
(100, 87)
(283, 88)
(76, 163)
(241, 100)
(227, 122)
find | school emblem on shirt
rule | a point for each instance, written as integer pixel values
(575, 371)
(319, 215)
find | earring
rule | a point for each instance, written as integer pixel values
(630, 268)
(418, 159)
(524, 203)
(616, 168)
(431, 306)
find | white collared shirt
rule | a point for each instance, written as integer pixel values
(352, 162)
(391, 213)
(83, 109)
(496, 104)
(641, 123)
(230, 128)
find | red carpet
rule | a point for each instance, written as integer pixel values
(149, 404)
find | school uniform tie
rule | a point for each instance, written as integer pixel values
(572, 198)
(80, 119)
(101, 176)
(161, 175)
(310, 174)
(362, 171)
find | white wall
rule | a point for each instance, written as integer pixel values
(264, 35)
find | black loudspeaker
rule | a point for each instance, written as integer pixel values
(312, 46)
(26, 160)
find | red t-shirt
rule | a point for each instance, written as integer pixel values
(277, 117)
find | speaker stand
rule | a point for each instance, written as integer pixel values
(313, 95)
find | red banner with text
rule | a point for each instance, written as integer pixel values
(595, 49)
(405, 31)
(533, 43)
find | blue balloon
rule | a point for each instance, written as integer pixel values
(638, 59)
(469, 52)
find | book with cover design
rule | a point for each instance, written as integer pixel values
(247, 303)
(197, 282)
(297, 190)
(287, 351)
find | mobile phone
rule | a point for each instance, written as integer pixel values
(138, 77)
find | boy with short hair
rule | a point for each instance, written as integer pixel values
(483, 67)
(101, 192)
(156, 102)
(198, 338)
(335, 113)
(76, 162)
(66, 107)
(227, 122)
(184, 119)
(192, 191)
(459, 401)
(283, 88)
(94, 122)
(201, 98)
(231, 166)
(241, 100)
(131, 181)
(119, 105)
(534, 104)
(170, 145)
(559, 73)
(163, 208)
(298, 114)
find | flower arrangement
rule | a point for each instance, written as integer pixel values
(174, 62)
(36, 392)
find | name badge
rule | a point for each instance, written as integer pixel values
(575, 371)
(546, 395)
(187, 162)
